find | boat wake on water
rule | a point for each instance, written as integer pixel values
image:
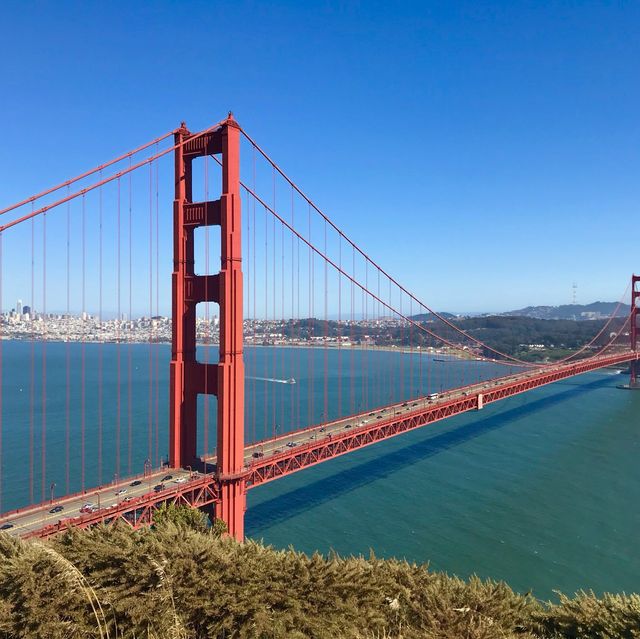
(290, 380)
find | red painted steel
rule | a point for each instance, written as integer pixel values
(230, 387)
(197, 493)
(188, 377)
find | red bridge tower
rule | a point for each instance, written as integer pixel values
(188, 377)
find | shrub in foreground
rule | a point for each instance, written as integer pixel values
(174, 581)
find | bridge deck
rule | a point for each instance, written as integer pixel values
(270, 459)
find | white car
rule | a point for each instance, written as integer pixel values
(180, 480)
(122, 491)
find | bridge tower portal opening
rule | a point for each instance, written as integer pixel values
(188, 377)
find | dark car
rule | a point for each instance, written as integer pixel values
(322, 429)
(57, 509)
(137, 482)
(258, 454)
(158, 487)
(167, 477)
(347, 426)
(6, 526)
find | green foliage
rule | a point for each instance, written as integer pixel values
(219, 527)
(181, 516)
(176, 582)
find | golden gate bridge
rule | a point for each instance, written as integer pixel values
(289, 276)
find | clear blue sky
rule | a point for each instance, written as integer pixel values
(486, 153)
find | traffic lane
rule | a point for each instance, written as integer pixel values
(106, 497)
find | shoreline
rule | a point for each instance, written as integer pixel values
(391, 348)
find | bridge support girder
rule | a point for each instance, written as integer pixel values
(188, 377)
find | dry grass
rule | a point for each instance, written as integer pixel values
(177, 583)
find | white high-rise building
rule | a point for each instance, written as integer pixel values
(19, 307)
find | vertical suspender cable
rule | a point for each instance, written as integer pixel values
(421, 357)
(367, 368)
(206, 313)
(32, 389)
(129, 339)
(298, 318)
(150, 399)
(313, 324)
(100, 333)
(296, 352)
(82, 349)
(266, 317)
(352, 408)
(274, 390)
(410, 350)
(381, 353)
(43, 437)
(367, 400)
(157, 345)
(67, 427)
(118, 349)
(282, 350)
(340, 328)
(325, 407)
(400, 357)
(252, 265)
(248, 253)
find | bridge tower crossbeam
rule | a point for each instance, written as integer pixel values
(189, 377)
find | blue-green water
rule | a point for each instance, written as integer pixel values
(540, 490)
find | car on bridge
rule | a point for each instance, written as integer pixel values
(137, 482)
(6, 526)
(122, 491)
(56, 509)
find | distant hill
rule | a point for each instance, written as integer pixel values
(430, 317)
(593, 311)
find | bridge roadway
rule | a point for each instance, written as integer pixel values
(273, 458)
